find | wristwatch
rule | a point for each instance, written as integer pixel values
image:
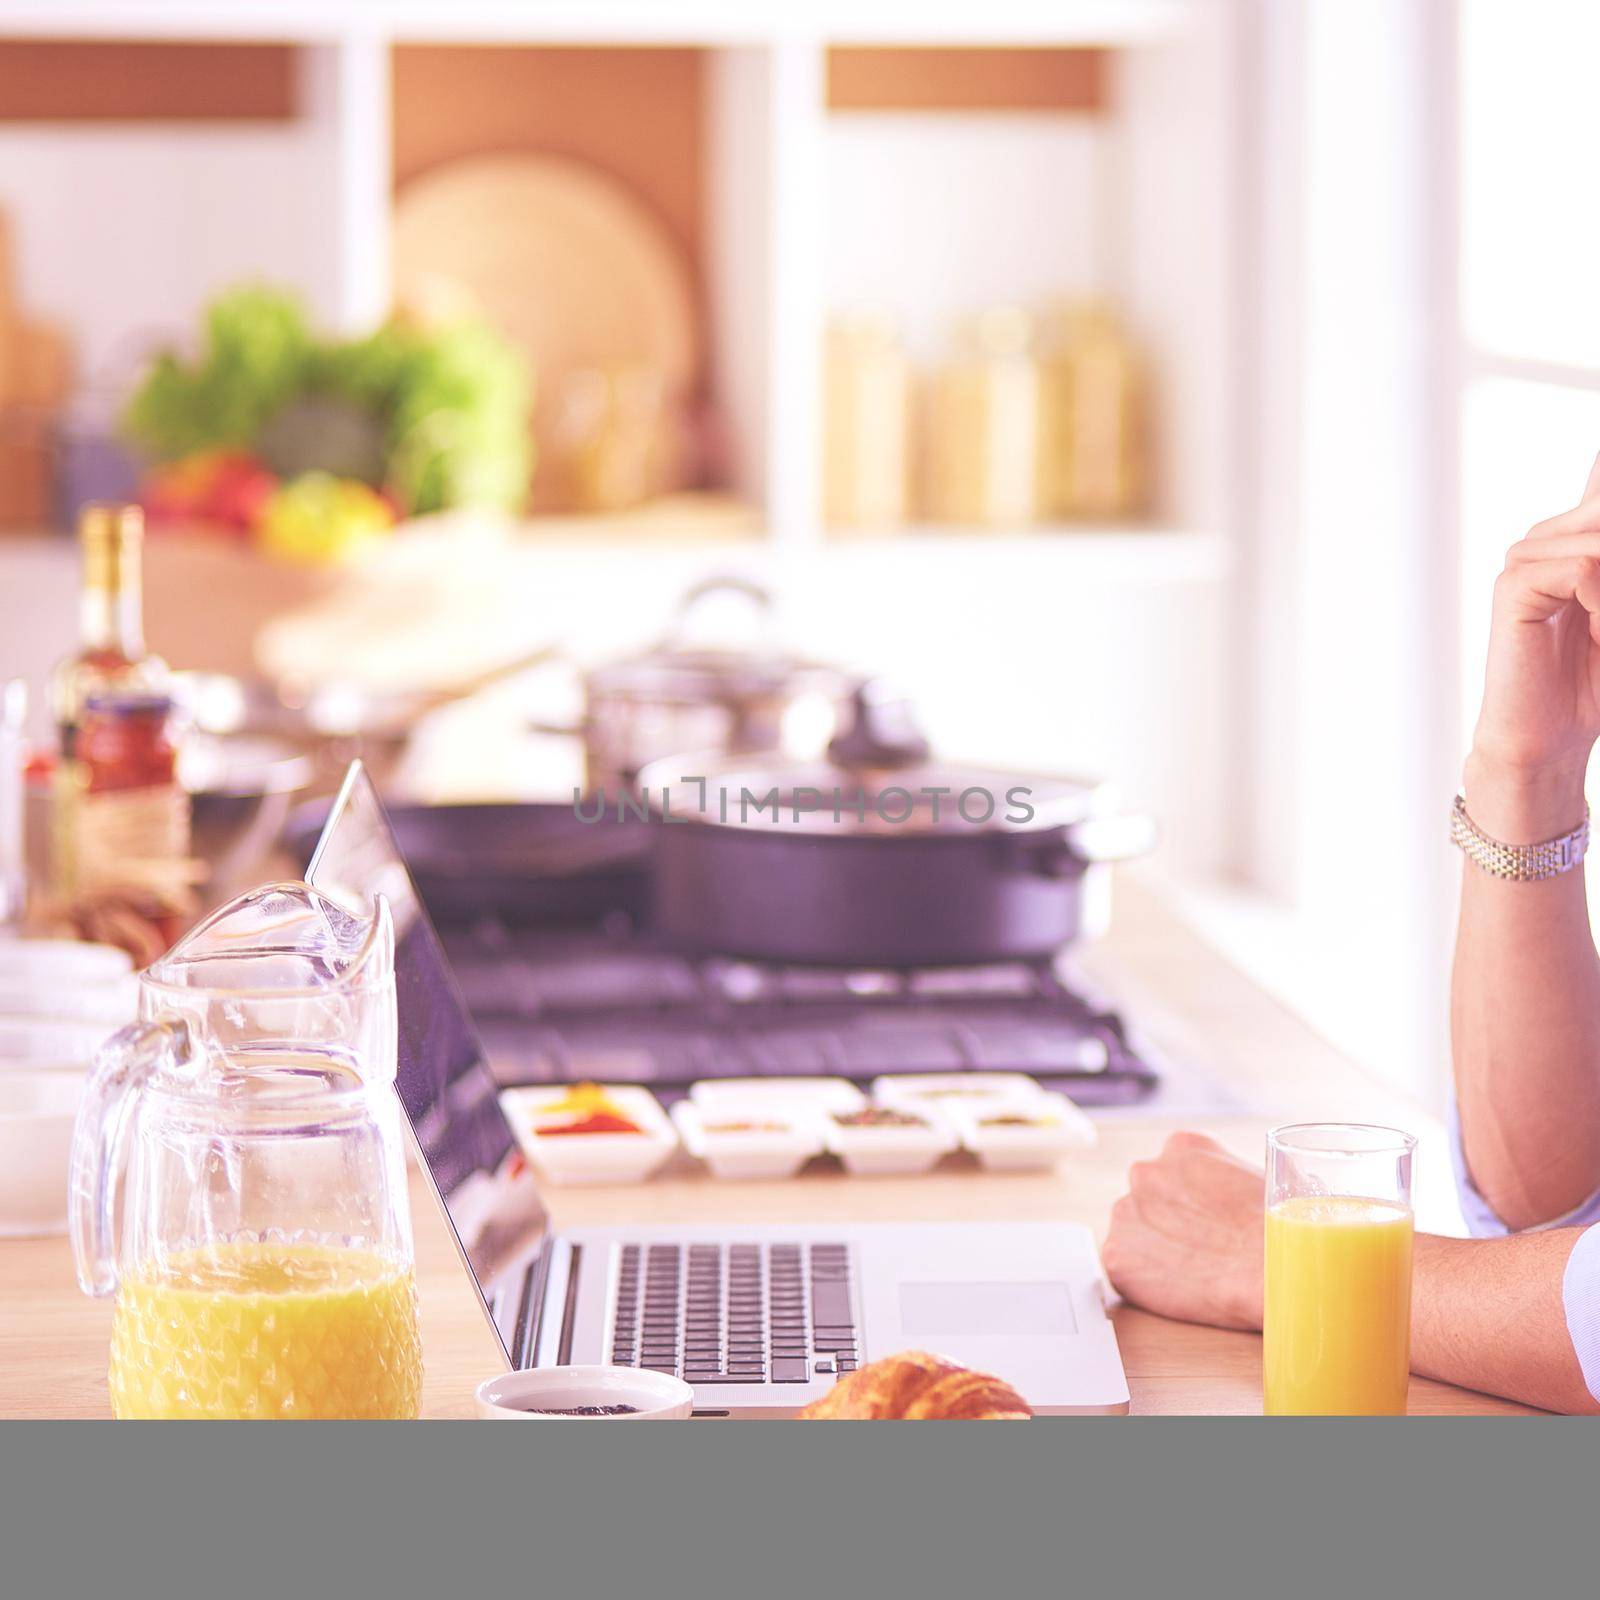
(1522, 863)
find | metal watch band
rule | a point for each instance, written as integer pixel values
(1523, 863)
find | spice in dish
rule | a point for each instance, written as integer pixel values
(597, 1122)
(1013, 1119)
(745, 1127)
(584, 1108)
(878, 1117)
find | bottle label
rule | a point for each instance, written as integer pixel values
(133, 842)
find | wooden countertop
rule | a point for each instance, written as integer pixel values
(1189, 1001)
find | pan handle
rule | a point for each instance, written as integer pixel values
(1065, 852)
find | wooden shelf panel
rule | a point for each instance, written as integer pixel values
(90, 80)
(735, 22)
(935, 78)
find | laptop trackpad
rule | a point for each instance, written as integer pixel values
(986, 1308)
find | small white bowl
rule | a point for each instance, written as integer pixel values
(581, 1158)
(37, 1111)
(63, 978)
(947, 1091)
(63, 961)
(1014, 1148)
(652, 1394)
(776, 1152)
(113, 1003)
(757, 1096)
(54, 1043)
(871, 1152)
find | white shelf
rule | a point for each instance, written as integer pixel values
(768, 214)
(719, 22)
(1113, 554)
(1049, 553)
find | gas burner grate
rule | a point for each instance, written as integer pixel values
(561, 1006)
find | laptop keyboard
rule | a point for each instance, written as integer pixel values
(736, 1313)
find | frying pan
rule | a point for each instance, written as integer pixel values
(520, 863)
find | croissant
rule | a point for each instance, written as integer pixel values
(914, 1385)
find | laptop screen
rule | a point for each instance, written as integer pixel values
(443, 1077)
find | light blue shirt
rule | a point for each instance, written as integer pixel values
(1580, 1284)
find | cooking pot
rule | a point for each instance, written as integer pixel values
(878, 856)
(679, 696)
(332, 722)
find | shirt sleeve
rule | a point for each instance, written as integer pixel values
(1580, 1298)
(1481, 1218)
(1580, 1283)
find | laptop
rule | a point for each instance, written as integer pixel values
(761, 1319)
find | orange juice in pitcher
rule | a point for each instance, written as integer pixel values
(261, 1329)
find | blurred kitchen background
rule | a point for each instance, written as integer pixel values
(1149, 387)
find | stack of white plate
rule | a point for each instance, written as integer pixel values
(58, 1001)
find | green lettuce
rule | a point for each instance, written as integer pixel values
(452, 402)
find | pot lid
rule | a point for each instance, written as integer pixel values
(878, 778)
(676, 670)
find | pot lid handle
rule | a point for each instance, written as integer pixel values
(717, 583)
(881, 732)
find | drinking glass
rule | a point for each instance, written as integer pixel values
(1337, 1328)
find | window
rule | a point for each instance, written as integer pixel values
(1530, 313)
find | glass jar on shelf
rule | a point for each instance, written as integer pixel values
(867, 423)
(980, 464)
(1094, 425)
(125, 825)
(619, 440)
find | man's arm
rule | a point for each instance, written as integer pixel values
(1525, 995)
(1525, 1010)
(1507, 1316)
(1490, 1314)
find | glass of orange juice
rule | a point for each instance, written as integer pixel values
(1337, 1327)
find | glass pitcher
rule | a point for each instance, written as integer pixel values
(238, 1176)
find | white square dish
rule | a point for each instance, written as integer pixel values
(37, 1112)
(868, 1151)
(817, 1095)
(64, 979)
(1056, 1128)
(53, 1043)
(576, 1158)
(778, 1147)
(943, 1091)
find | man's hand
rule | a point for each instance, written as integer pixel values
(1540, 715)
(1186, 1239)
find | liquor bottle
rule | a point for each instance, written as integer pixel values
(120, 824)
(111, 653)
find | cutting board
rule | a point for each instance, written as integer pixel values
(35, 383)
(563, 259)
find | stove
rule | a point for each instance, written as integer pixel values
(605, 1002)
